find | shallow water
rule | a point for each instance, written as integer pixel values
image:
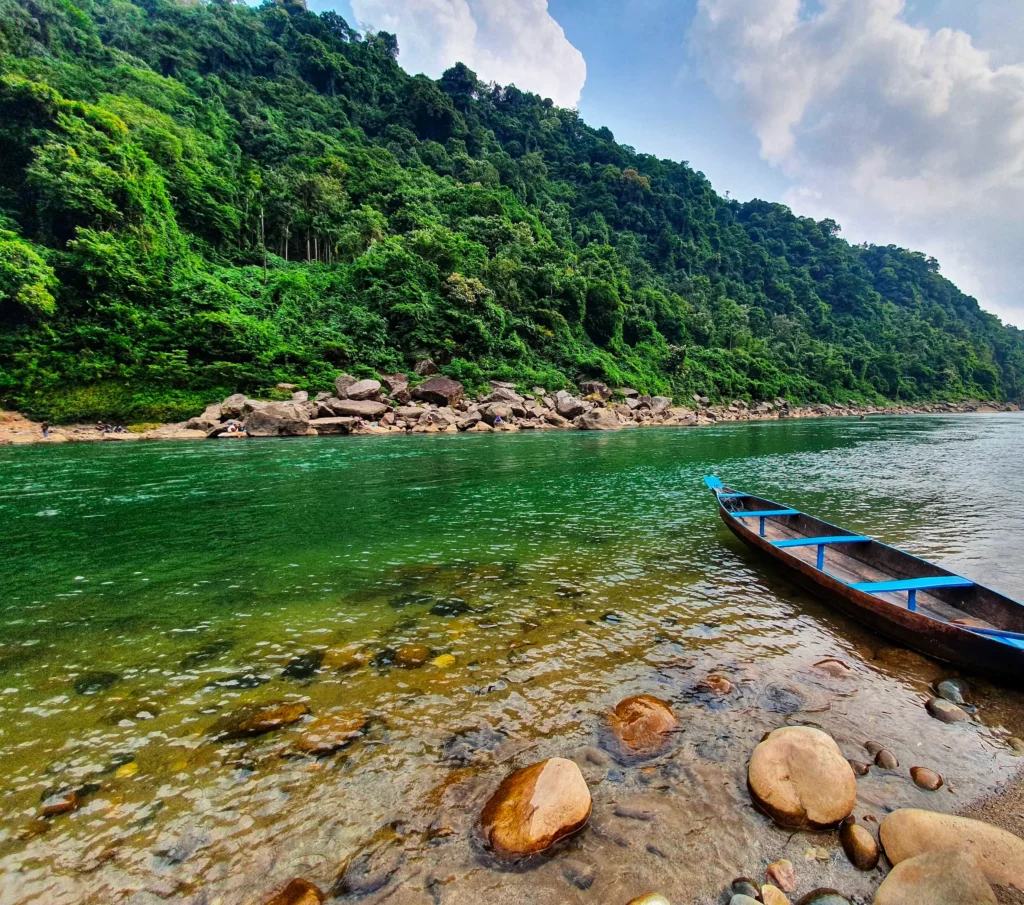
(152, 590)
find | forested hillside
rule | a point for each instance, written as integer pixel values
(202, 199)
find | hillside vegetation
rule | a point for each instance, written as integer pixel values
(198, 199)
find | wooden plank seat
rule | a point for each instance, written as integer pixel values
(912, 586)
(821, 543)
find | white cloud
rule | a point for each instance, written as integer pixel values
(901, 133)
(506, 41)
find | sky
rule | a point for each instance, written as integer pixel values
(903, 120)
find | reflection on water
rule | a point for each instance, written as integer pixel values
(457, 607)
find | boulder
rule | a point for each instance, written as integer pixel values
(660, 404)
(599, 419)
(936, 878)
(568, 406)
(555, 420)
(363, 389)
(628, 392)
(595, 388)
(425, 368)
(908, 832)
(300, 396)
(643, 725)
(505, 394)
(298, 892)
(800, 778)
(859, 845)
(535, 807)
(233, 406)
(494, 410)
(356, 408)
(440, 391)
(276, 419)
(342, 383)
(333, 425)
(394, 383)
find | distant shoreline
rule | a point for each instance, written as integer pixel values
(17, 430)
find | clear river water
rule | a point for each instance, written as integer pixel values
(154, 592)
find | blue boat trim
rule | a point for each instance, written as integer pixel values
(817, 541)
(713, 482)
(764, 513)
(732, 496)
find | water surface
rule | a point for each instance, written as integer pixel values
(151, 590)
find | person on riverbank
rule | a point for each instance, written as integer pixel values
(46, 430)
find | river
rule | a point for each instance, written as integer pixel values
(151, 590)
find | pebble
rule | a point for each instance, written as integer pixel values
(873, 747)
(953, 690)
(926, 779)
(908, 832)
(859, 845)
(535, 807)
(800, 778)
(445, 661)
(61, 803)
(886, 760)
(770, 895)
(859, 767)
(298, 892)
(93, 682)
(946, 711)
(715, 684)
(936, 878)
(650, 898)
(412, 656)
(249, 721)
(744, 886)
(126, 771)
(781, 873)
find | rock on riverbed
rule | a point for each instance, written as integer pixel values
(859, 845)
(908, 832)
(936, 878)
(643, 725)
(535, 807)
(800, 778)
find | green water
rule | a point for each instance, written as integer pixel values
(150, 589)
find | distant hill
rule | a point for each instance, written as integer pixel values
(197, 199)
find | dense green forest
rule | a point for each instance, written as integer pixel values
(198, 199)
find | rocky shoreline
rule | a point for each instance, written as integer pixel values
(437, 404)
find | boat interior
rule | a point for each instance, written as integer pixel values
(885, 572)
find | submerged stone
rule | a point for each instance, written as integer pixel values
(249, 721)
(450, 606)
(859, 845)
(643, 725)
(936, 878)
(953, 690)
(412, 656)
(303, 666)
(331, 732)
(886, 760)
(535, 807)
(946, 711)
(926, 779)
(298, 892)
(94, 682)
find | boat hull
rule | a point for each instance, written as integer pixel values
(935, 639)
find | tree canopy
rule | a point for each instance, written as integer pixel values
(198, 199)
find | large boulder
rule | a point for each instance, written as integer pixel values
(660, 404)
(505, 394)
(599, 419)
(233, 406)
(356, 408)
(394, 382)
(568, 406)
(342, 382)
(800, 778)
(363, 389)
(341, 425)
(936, 878)
(440, 391)
(908, 832)
(493, 411)
(276, 419)
(595, 388)
(207, 421)
(535, 807)
(643, 725)
(425, 367)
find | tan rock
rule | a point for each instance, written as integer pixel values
(330, 732)
(412, 656)
(942, 877)
(771, 895)
(643, 725)
(298, 892)
(926, 779)
(799, 777)
(781, 873)
(650, 898)
(535, 807)
(859, 845)
(999, 855)
(715, 684)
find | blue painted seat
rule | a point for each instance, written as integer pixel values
(817, 541)
(732, 496)
(764, 513)
(912, 586)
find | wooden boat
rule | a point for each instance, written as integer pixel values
(915, 602)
